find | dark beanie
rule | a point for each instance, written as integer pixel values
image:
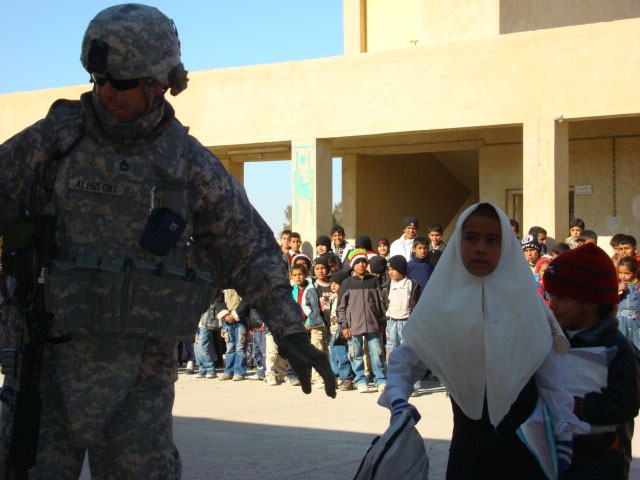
(585, 273)
(409, 222)
(321, 260)
(382, 241)
(399, 264)
(377, 264)
(324, 240)
(529, 241)
(339, 277)
(364, 241)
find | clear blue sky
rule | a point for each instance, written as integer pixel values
(40, 48)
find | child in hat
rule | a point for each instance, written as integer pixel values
(359, 313)
(484, 331)
(583, 288)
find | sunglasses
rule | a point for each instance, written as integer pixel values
(120, 85)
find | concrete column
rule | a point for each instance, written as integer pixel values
(236, 169)
(349, 194)
(354, 14)
(545, 175)
(311, 210)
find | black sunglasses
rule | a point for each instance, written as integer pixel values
(120, 85)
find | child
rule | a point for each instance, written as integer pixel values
(340, 246)
(541, 234)
(400, 295)
(531, 249)
(588, 236)
(322, 286)
(467, 328)
(359, 313)
(541, 266)
(558, 248)
(382, 245)
(515, 226)
(419, 268)
(584, 291)
(576, 226)
(338, 344)
(629, 299)
(628, 247)
(615, 246)
(307, 297)
(295, 242)
(323, 249)
(436, 245)
(404, 244)
(233, 310)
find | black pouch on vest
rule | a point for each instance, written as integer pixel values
(162, 231)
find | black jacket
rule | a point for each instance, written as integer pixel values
(608, 455)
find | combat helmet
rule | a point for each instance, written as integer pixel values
(132, 41)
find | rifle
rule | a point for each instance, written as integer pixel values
(32, 243)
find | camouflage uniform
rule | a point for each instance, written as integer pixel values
(110, 389)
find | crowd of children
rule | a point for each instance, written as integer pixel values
(360, 305)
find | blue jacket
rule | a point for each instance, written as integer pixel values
(420, 270)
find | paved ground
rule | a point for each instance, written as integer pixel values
(248, 430)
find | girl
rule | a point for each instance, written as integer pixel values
(627, 315)
(491, 345)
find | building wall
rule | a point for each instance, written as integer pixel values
(391, 188)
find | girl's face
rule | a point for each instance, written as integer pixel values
(542, 268)
(335, 287)
(573, 314)
(625, 274)
(321, 249)
(383, 249)
(481, 244)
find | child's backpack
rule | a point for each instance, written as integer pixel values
(397, 454)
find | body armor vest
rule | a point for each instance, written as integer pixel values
(102, 281)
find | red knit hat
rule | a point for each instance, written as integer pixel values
(584, 273)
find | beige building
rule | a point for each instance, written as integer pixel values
(436, 104)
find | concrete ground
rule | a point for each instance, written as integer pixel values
(249, 430)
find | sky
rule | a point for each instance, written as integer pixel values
(40, 48)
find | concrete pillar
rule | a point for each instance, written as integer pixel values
(354, 13)
(545, 175)
(311, 190)
(349, 194)
(237, 170)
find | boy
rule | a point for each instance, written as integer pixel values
(404, 244)
(323, 249)
(628, 247)
(541, 234)
(295, 242)
(588, 236)
(615, 246)
(233, 310)
(400, 295)
(359, 313)
(307, 297)
(576, 226)
(629, 299)
(531, 250)
(436, 245)
(420, 269)
(583, 288)
(340, 246)
(322, 286)
(338, 344)
(558, 248)
(515, 226)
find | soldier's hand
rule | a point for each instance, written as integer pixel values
(302, 356)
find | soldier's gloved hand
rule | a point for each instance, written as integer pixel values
(398, 406)
(302, 356)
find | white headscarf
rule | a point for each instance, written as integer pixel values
(481, 334)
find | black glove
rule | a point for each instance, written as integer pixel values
(302, 356)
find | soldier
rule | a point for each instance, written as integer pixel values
(124, 287)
